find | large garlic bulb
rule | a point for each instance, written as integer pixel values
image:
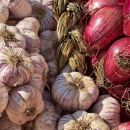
(18, 8)
(48, 119)
(29, 23)
(4, 13)
(108, 108)
(74, 91)
(48, 42)
(25, 103)
(4, 97)
(10, 36)
(16, 66)
(44, 15)
(6, 124)
(39, 78)
(81, 120)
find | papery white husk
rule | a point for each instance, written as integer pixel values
(74, 91)
(18, 8)
(85, 121)
(4, 13)
(29, 23)
(20, 40)
(23, 98)
(4, 97)
(16, 66)
(39, 78)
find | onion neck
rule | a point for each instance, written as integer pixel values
(30, 111)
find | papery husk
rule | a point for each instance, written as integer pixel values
(81, 120)
(66, 69)
(63, 52)
(77, 37)
(77, 62)
(68, 19)
(59, 8)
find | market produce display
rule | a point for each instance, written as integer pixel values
(64, 64)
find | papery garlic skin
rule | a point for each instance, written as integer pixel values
(10, 36)
(29, 23)
(25, 103)
(81, 120)
(48, 119)
(4, 13)
(4, 97)
(32, 41)
(6, 124)
(74, 91)
(48, 41)
(108, 109)
(18, 8)
(44, 15)
(53, 72)
(39, 78)
(16, 66)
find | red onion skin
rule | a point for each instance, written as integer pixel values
(126, 9)
(105, 25)
(113, 73)
(94, 5)
(126, 27)
(121, 2)
(123, 126)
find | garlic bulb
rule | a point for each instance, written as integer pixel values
(32, 41)
(48, 41)
(39, 78)
(48, 119)
(10, 36)
(44, 15)
(16, 66)
(4, 97)
(53, 72)
(18, 8)
(29, 23)
(47, 95)
(81, 120)
(25, 103)
(74, 91)
(108, 109)
(4, 13)
(6, 124)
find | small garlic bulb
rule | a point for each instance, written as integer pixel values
(74, 91)
(48, 119)
(10, 36)
(4, 13)
(4, 97)
(108, 108)
(39, 78)
(48, 41)
(29, 23)
(18, 8)
(44, 15)
(81, 120)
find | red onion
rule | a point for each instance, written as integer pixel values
(126, 9)
(121, 2)
(117, 62)
(126, 27)
(95, 5)
(105, 25)
(123, 126)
